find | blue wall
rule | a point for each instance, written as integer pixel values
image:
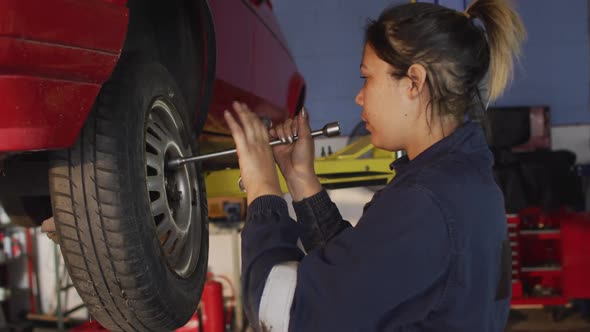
(326, 38)
(555, 67)
(455, 4)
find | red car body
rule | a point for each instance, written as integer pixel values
(56, 54)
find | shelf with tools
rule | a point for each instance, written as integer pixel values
(542, 234)
(549, 261)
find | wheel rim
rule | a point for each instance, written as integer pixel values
(173, 193)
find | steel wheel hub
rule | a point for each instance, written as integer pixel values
(173, 193)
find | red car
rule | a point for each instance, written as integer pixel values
(96, 96)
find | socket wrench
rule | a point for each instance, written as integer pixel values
(329, 130)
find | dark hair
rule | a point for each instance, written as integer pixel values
(457, 52)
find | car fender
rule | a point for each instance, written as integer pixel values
(54, 57)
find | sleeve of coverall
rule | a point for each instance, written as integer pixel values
(320, 220)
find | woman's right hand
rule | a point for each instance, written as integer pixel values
(296, 160)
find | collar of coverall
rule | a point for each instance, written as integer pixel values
(456, 141)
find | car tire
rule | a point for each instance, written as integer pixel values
(133, 234)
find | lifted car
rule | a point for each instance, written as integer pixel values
(97, 96)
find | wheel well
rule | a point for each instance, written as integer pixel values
(24, 188)
(179, 35)
(301, 100)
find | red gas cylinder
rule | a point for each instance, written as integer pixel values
(212, 306)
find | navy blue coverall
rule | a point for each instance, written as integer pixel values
(430, 252)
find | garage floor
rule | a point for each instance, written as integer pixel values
(541, 320)
(521, 321)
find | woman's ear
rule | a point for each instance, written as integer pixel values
(417, 74)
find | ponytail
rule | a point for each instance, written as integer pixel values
(505, 33)
(459, 55)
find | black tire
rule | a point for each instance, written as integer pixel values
(111, 242)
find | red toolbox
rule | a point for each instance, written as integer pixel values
(550, 256)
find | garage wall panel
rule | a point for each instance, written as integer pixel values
(326, 37)
(556, 60)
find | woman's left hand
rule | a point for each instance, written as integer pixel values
(257, 165)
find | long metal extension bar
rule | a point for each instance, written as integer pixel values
(358, 164)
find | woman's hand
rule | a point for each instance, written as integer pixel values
(257, 166)
(297, 158)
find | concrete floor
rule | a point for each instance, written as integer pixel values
(535, 320)
(540, 320)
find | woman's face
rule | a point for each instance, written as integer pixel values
(387, 108)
